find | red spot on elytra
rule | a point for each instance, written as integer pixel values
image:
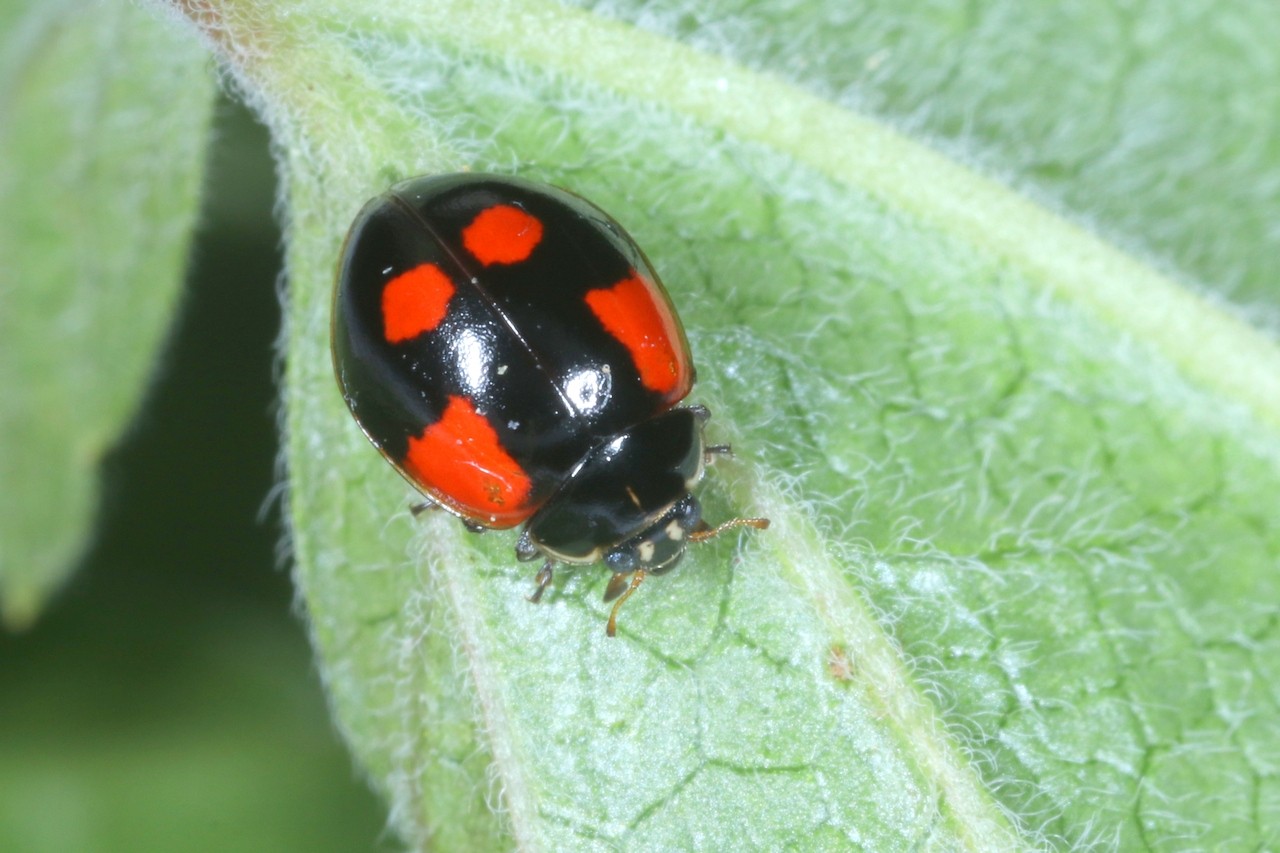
(640, 319)
(415, 302)
(460, 458)
(502, 234)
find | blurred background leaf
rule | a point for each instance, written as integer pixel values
(104, 116)
(167, 700)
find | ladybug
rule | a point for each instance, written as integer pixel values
(511, 352)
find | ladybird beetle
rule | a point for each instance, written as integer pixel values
(510, 351)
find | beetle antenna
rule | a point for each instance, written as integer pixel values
(711, 532)
(612, 628)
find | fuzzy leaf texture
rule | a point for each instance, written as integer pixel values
(103, 118)
(1021, 589)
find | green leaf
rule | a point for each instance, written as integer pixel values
(1020, 590)
(103, 114)
(1156, 126)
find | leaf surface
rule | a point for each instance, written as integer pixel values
(1020, 590)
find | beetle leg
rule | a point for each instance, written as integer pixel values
(611, 629)
(617, 583)
(713, 450)
(705, 531)
(429, 505)
(419, 508)
(543, 580)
